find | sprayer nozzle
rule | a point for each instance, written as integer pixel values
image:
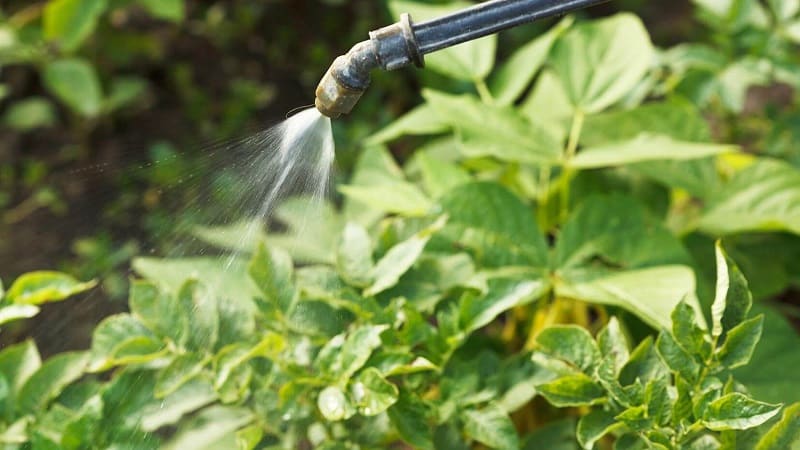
(334, 98)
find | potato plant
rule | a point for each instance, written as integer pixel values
(541, 273)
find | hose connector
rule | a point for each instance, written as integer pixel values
(389, 48)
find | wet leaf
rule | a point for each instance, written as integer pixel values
(35, 288)
(372, 393)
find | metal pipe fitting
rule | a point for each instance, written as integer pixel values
(348, 77)
(405, 43)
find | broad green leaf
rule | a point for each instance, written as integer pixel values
(572, 390)
(179, 371)
(491, 426)
(570, 343)
(372, 393)
(399, 197)
(121, 340)
(70, 22)
(354, 255)
(334, 405)
(271, 269)
(773, 373)
(75, 82)
(123, 91)
(374, 167)
(410, 416)
(200, 306)
(230, 361)
(29, 114)
(13, 313)
(601, 61)
(478, 310)
(400, 258)
(651, 294)
(593, 426)
(209, 426)
(675, 118)
(242, 236)
(740, 343)
(468, 61)
(612, 343)
(645, 147)
(158, 311)
(676, 357)
(345, 354)
(644, 364)
(17, 364)
(50, 380)
(191, 396)
(549, 104)
(495, 225)
(511, 80)
(687, 331)
(635, 418)
(498, 132)
(422, 120)
(35, 288)
(738, 412)
(762, 197)
(440, 177)
(227, 277)
(172, 10)
(732, 300)
(784, 433)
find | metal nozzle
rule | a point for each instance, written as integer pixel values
(348, 77)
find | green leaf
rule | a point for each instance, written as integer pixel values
(354, 256)
(593, 426)
(612, 343)
(644, 364)
(375, 166)
(495, 224)
(740, 343)
(334, 405)
(191, 396)
(500, 132)
(172, 10)
(737, 412)
(372, 393)
(208, 427)
(572, 390)
(645, 147)
(439, 177)
(549, 104)
(343, 355)
(476, 310)
(13, 313)
(227, 277)
(732, 300)
(601, 61)
(422, 120)
(398, 197)
(676, 358)
(50, 379)
(29, 114)
(400, 258)
(635, 418)
(490, 426)
(70, 22)
(472, 60)
(687, 331)
(511, 80)
(75, 82)
(35, 288)
(200, 306)
(17, 364)
(784, 433)
(158, 312)
(271, 269)
(179, 371)
(410, 416)
(570, 343)
(241, 236)
(124, 90)
(121, 340)
(762, 197)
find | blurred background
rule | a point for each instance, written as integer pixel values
(112, 113)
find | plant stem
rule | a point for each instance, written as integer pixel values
(543, 192)
(569, 153)
(483, 91)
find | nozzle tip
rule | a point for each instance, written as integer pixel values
(334, 98)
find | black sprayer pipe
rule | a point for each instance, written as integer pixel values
(405, 43)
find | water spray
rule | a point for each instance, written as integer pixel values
(405, 43)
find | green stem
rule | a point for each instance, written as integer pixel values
(543, 191)
(483, 91)
(569, 153)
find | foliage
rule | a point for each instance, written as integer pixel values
(547, 253)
